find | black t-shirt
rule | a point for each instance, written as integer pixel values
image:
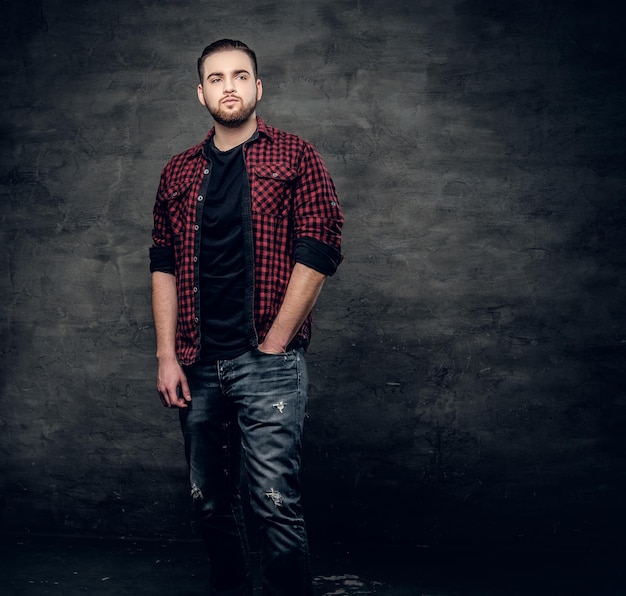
(223, 328)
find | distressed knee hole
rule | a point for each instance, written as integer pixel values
(275, 496)
(280, 406)
(196, 493)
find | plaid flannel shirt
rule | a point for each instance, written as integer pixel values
(291, 196)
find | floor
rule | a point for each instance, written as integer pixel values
(36, 565)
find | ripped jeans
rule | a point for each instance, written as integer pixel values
(253, 407)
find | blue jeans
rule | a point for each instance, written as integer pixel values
(251, 406)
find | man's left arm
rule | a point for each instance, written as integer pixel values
(317, 242)
(305, 285)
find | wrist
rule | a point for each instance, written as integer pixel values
(272, 345)
(165, 358)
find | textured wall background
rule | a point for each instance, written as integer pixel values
(468, 358)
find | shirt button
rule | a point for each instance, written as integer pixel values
(195, 259)
(206, 171)
(196, 227)
(196, 319)
(195, 289)
(200, 198)
(275, 175)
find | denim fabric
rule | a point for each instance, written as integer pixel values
(253, 407)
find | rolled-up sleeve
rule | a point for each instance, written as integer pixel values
(162, 251)
(162, 259)
(317, 255)
(318, 215)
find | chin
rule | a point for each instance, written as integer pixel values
(233, 119)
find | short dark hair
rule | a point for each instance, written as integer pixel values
(225, 45)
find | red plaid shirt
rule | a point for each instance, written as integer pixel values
(292, 196)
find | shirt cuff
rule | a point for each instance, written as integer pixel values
(162, 259)
(317, 255)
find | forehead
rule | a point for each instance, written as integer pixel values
(227, 61)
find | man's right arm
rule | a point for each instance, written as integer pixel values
(171, 380)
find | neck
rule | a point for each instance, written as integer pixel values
(226, 138)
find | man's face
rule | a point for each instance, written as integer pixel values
(228, 89)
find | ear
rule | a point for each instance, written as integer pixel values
(201, 95)
(259, 89)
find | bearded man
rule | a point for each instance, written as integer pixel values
(247, 227)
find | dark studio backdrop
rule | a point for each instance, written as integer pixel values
(467, 364)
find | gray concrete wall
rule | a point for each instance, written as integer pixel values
(467, 364)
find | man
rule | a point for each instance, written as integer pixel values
(247, 227)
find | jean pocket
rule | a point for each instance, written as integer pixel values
(262, 354)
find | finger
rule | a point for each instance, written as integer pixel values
(165, 398)
(162, 398)
(175, 398)
(271, 352)
(169, 398)
(185, 391)
(178, 403)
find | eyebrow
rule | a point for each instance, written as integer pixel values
(221, 74)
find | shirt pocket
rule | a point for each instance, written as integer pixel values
(272, 187)
(176, 196)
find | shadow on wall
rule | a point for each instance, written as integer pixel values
(467, 359)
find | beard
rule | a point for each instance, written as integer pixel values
(233, 118)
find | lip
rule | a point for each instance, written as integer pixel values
(230, 100)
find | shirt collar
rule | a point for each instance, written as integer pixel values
(261, 129)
